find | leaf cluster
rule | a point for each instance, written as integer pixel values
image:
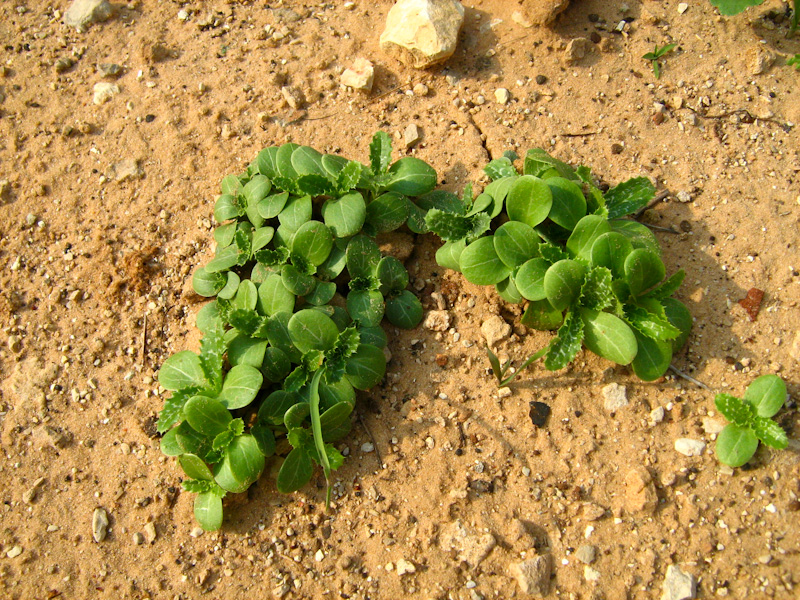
(299, 288)
(750, 420)
(550, 237)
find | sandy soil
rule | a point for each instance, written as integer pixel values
(108, 209)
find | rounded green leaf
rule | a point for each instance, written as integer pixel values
(244, 350)
(652, 357)
(736, 445)
(678, 316)
(769, 432)
(411, 176)
(224, 259)
(208, 284)
(569, 203)
(296, 212)
(515, 243)
(530, 279)
(363, 256)
(241, 465)
(273, 297)
(271, 206)
(332, 268)
(278, 335)
(529, 200)
(295, 472)
(541, 315)
(296, 414)
(265, 438)
(246, 296)
(366, 307)
(226, 208)
(276, 365)
(307, 161)
(392, 275)
(323, 292)
(241, 386)
(562, 282)
(498, 190)
(449, 255)
(331, 394)
(283, 161)
(767, 393)
(231, 287)
(169, 443)
(480, 263)
(195, 467)
(312, 330)
(261, 237)
(387, 212)
(335, 422)
(180, 371)
(207, 316)
(297, 282)
(207, 416)
(639, 235)
(223, 235)
(610, 250)
(374, 336)
(404, 310)
(267, 161)
(333, 164)
(586, 232)
(643, 270)
(313, 241)
(274, 407)
(366, 367)
(345, 216)
(608, 336)
(208, 511)
(508, 291)
(483, 202)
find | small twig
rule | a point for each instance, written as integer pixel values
(658, 198)
(680, 373)
(144, 341)
(664, 229)
(371, 437)
(585, 134)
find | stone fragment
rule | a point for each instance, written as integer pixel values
(657, 415)
(590, 574)
(682, 7)
(422, 33)
(759, 59)
(404, 566)
(543, 12)
(586, 554)
(539, 411)
(45, 436)
(99, 524)
(533, 575)
(520, 19)
(64, 64)
(640, 492)
(123, 170)
(615, 396)
(420, 89)
(495, 329)
(502, 95)
(712, 426)
(150, 533)
(592, 512)
(411, 135)
(690, 447)
(293, 96)
(82, 13)
(109, 69)
(360, 76)
(437, 320)
(471, 547)
(678, 585)
(577, 49)
(104, 91)
(684, 196)
(795, 350)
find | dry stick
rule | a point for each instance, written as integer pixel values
(658, 198)
(680, 373)
(372, 437)
(144, 340)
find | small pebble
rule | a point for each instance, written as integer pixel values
(682, 8)
(689, 447)
(502, 95)
(99, 524)
(420, 89)
(150, 533)
(367, 447)
(138, 539)
(14, 552)
(196, 532)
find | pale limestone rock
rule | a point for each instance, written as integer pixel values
(495, 329)
(615, 396)
(678, 585)
(577, 49)
(690, 447)
(360, 76)
(471, 547)
(759, 59)
(640, 492)
(82, 13)
(437, 320)
(422, 33)
(533, 575)
(543, 12)
(99, 524)
(104, 92)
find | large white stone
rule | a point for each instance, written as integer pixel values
(678, 585)
(82, 13)
(422, 33)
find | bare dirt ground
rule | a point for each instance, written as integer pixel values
(108, 209)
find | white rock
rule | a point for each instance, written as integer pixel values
(577, 49)
(367, 447)
(82, 13)
(495, 329)
(437, 320)
(590, 574)
(520, 19)
(293, 96)
(712, 426)
(615, 396)
(104, 91)
(411, 135)
(502, 95)
(422, 33)
(533, 575)
(690, 447)
(404, 566)
(682, 8)
(196, 532)
(99, 524)
(586, 554)
(472, 547)
(150, 533)
(657, 414)
(678, 585)
(14, 552)
(360, 76)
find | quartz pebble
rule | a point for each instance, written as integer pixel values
(104, 92)
(99, 524)
(689, 447)
(615, 396)
(678, 585)
(502, 95)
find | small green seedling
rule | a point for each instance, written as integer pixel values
(750, 420)
(655, 55)
(794, 62)
(500, 371)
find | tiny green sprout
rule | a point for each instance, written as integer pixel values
(655, 55)
(750, 420)
(794, 62)
(500, 371)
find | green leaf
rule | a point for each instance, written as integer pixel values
(332, 268)
(208, 511)
(769, 432)
(316, 429)
(404, 310)
(530, 279)
(310, 329)
(499, 168)
(363, 256)
(246, 296)
(563, 282)
(508, 291)
(295, 472)
(264, 438)
(608, 336)
(225, 259)
(380, 152)
(207, 416)
(596, 292)
(552, 253)
(313, 241)
(679, 316)
(734, 7)
(767, 394)
(350, 176)
(541, 315)
(515, 243)
(296, 281)
(411, 176)
(271, 206)
(231, 286)
(416, 219)
(190, 441)
(629, 197)
(182, 370)
(276, 364)
(307, 161)
(566, 344)
(651, 324)
(241, 386)
(278, 335)
(610, 250)
(539, 162)
(736, 445)
(667, 287)
(392, 275)
(387, 212)
(195, 467)
(366, 367)
(226, 208)
(451, 227)
(222, 441)
(273, 297)
(480, 263)
(241, 465)
(275, 405)
(737, 411)
(652, 359)
(296, 213)
(245, 350)
(569, 204)
(639, 235)
(366, 307)
(256, 190)
(283, 161)
(529, 200)
(587, 231)
(449, 255)
(266, 161)
(212, 347)
(169, 443)
(345, 216)
(322, 294)
(207, 284)
(335, 421)
(316, 185)
(223, 235)
(643, 270)
(442, 200)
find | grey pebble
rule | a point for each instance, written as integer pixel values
(99, 524)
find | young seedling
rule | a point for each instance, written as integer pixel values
(749, 420)
(500, 371)
(655, 55)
